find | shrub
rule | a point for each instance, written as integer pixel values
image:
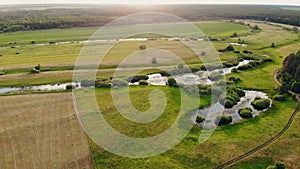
(234, 79)
(137, 78)
(70, 87)
(34, 71)
(217, 90)
(228, 103)
(194, 69)
(180, 66)
(280, 165)
(230, 64)
(142, 47)
(273, 45)
(211, 67)
(279, 97)
(38, 67)
(246, 113)
(245, 67)
(119, 82)
(154, 61)
(225, 120)
(189, 89)
(215, 76)
(230, 48)
(235, 70)
(234, 34)
(232, 97)
(203, 53)
(236, 89)
(103, 84)
(238, 52)
(261, 104)
(200, 119)
(87, 83)
(143, 82)
(164, 73)
(2, 73)
(172, 82)
(247, 52)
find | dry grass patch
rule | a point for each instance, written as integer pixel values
(41, 131)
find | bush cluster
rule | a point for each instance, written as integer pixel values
(232, 97)
(211, 67)
(227, 49)
(279, 97)
(260, 103)
(254, 63)
(34, 71)
(172, 82)
(200, 119)
(234, 79)
(246, 113)
(137, 78)
(143, 82)
(230, 64)
(215, 76)
(119, 82)
(196, 89)
(70, 87)
(224, 120)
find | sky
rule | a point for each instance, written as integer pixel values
(275, 2)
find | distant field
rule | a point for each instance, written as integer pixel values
(222, 29)
(41, 131)
(78, 34)
(46, 36)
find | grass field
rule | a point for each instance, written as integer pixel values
(41, 130)
(52, 55)
(226, 142)
(285, 150)
(77, 34)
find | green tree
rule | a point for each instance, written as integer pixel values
(180, 66)
(200, 119)
(142, 47)
(234, 34)
(172, 82)
(295, 29)
(273, 45)
(230, 48)
(297, 73)
(284, 88)
(154, 61)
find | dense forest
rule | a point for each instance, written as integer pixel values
(290, 74)
(14, 18)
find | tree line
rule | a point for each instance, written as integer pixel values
(12, 20)
(290, 73)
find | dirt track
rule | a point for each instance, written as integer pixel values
(41, 131)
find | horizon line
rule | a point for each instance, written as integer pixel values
(149, 4)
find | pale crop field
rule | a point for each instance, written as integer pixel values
(41, 131)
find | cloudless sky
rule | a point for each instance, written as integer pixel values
(281, 2)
